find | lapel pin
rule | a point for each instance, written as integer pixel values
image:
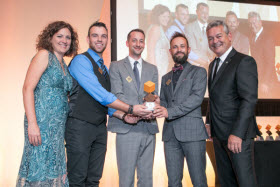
(129, 79)
(168, 82)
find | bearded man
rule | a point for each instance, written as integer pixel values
(184, 134)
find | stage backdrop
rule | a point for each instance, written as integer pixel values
(22, 21)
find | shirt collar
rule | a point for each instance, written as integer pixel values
(182, 27)
(224, 56)
(201, 25)
(131, 60)
(258, 34)
(94, 55)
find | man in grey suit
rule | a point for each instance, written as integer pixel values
(184, 133)
(196, 34)
(135, 144)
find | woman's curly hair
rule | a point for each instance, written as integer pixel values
(156, 12)
(44, 39)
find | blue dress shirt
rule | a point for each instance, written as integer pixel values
(81, 70)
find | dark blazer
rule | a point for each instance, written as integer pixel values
(232, 97)
(184, 104)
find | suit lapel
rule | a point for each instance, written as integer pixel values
(128, 67)
(223, 67)
(182, 76)
(210, 71)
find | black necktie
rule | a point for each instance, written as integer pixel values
(218, 60)
(136, 74)
(103, 68)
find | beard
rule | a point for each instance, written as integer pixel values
(180, 60)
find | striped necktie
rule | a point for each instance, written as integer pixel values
(103, 68)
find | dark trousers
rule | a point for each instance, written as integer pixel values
(86, 149)
(235, 169)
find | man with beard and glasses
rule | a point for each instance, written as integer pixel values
(230, 120)
(184, 133)
(135, 144)
(90, 97)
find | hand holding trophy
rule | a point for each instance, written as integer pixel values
(149, 88)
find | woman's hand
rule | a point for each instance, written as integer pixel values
(34, 135)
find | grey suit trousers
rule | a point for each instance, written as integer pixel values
(195, 153)
(135, 149)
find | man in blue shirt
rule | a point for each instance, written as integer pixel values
(90, 99)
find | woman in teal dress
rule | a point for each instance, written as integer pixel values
(45, 90)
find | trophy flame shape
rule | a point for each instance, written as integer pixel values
(278, 132)
(259, 138)
(269, 137)
(150, 87)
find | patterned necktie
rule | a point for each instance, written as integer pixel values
(136, 74)
(218, 60)
(103, 68)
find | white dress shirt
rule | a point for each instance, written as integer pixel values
(139, 65)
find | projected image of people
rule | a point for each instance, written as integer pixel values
(157, 42)
(263, 50)
(253, 28)
(196, 34)
(240, 42)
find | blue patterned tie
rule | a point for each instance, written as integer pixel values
(103, 68)
(136, 74)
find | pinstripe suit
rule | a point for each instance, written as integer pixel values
(184, 132)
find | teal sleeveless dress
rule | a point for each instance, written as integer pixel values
(45, 165)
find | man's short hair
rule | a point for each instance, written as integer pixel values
(201, 4)
(254, 14)
(97, 24)
(181, 6)
(135, 30)
(178, 34)
(231, 13)
(217, 23)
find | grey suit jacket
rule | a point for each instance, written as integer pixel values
(198, 42)
(184, 104)
(123, 85)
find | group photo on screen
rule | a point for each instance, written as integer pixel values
(253, 29)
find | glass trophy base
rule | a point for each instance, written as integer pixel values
(269, 138)
(150, 106)
(259, 138)
(277, 138)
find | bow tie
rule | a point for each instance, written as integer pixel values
(176, 68)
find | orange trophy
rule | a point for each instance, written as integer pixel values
(269, 137)
(149, 88)
(278, 132)
(260, 138)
